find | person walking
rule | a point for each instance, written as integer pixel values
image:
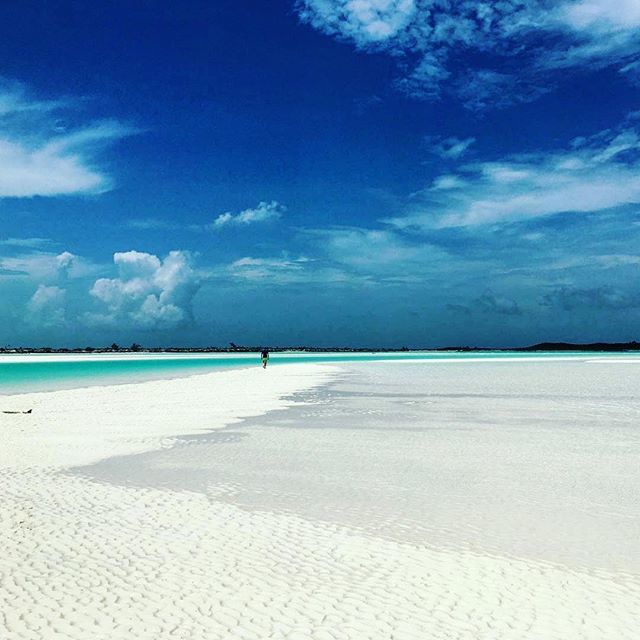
(264, 355)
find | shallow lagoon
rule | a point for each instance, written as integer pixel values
(38, 372)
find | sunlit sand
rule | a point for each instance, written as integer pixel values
(380, 500)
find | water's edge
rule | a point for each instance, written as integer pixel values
(28, 373)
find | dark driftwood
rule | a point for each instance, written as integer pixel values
(29, 411)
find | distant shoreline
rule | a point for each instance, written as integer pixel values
(135, 348)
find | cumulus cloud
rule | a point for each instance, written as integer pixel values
(37, 159)
(594, 174)
(66, 261)
(47, 306)
(438, 42)
(264, 212)
(149, 292)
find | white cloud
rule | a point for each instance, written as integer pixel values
(529, 39)
(364, 21)
(385, 256)
(447, 181)
(284, 270)
(153, 223)
(481, 89)
(148, 292)
(353, 255)
(452, 148)
(264, 212)
(25, 243)
(616, 260)
(591, 33)
(604, 15)
(279, 270)
(38, 160)
(42, 266)
(600, 173)
(367, 248)
(274, 263)
(66, 261)
(38, 172)
(47, 306)
(14, 100)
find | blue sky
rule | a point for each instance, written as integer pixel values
(331, 172)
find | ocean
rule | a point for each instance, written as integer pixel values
(37, 372)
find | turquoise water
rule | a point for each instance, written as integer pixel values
(30, 374)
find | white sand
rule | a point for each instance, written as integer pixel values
(84, 559)
(78, 426)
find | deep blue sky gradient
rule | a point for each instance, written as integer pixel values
(234, 104)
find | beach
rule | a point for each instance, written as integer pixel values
(387, 500)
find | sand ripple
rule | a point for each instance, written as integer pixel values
(88, 560)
